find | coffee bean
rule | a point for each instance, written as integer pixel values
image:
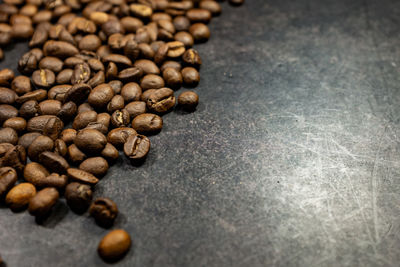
(1, 54)
(110, 153)
(120, 118)
(161, 101)
(28, 10)
(114, 245)
(146, 51)
(136, 108)
(21, 85)
(15, 157)
(59, 49)
(131, 92)
(99, 17)
(90, 42)
(60, 147)
(97, 166)
(100, 96)
(68, 136)
(173, 78)
(43, 78)
(19, 196)
(111, 71)
(147, 123)
(116, 103)
(5, 34)
(37, 95)
(118, 136)
(30, 109)
(199, 15)
(95, 65)
(53, 162)
(47, 125)
(104, 211)
(160, 16)
(26, 139)
(191, 76)
(21, 31)
(78, 196)
(16, 123)
(137, 147)
(141, 11)
(104, 118)
(67, 111)
(82, 176)
(6, 76)
(236, 2)
(148, 67)
(4, 148)
(185, 38)
(85, 107)
(166, 25)
(77, 93)
(75, 155)
(8, 135)
(120, 60)
(98, 79)
(171, 64)
(192, 58)
(64, 76)
(151, 81)
(40, 144)
(41, 16)
(97, 126)
(131, 24)
(27, 63)
(90, 141)
(81, 73)
(6, 112)
(58, 92)
(7, 96)
(50, 107)
(71, 62)
(41, 204)
(111, 27)
(211, 6)
(8, 177)
(200, 32)
(51, 63)
(188, 100)
(116, 86)
(146, 94)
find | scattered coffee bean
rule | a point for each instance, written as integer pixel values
(137, 147)
(82, 176)
(97, 166)
(147, 123)
(161, 101)
(114, 245)
(104, 211)
(19, 196)
(188, 100)
(191, 76)
(78, 196)
(41, 204)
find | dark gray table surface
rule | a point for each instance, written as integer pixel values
(292, 158)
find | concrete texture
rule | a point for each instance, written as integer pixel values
(292, 158)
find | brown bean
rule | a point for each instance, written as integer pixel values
(82, 176)
(114, 245)
(41, 204)
(8, 177)
(97, 166)
(19, 196)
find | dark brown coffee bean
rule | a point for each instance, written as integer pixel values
(59, 49)
(41, 204)
(131, 24)
(161, 53)
(104, 211)
(60, 147)
(111, 27)
(148, 67)
(191, 76)
(8, 177)
(211, 6)
(166, 25)
(236, 2)
(51, 63)
(52, 180)
(173, 78)
(100, 96)
(112, 71)
(116, 103)
(48, 125)
(90, 42)
(90, 141)
(146, 94)
(29, 109)
(85, 107)
(103, 51)
(67, 111)
(104, 118)
(136, 108)
(77, 93)
(68, 136)
(58, 92)
(171, 64)
(37, 95)
(95, 65)
(40, 144)
(110, 153)
(199, 15)
(82, 176)
(7, 96)
(161, 101)
(27, 63)
(50, 107)
(16, 123)
(15, 157)
(200, 32)
(118, 136)
(114, 245)
(147, 123)
(136, 148)
(116, 85)
(19, 196)
(78, 196)
(115, 41)
(98, 79)
(81, 73)
(60, 33)
(131, 92)
(81, 25)
(84, 118)
(97, 166)
(151, 81)
(130, 74)
(64, 76)
(8, 135)
(26, 139)
(7, 112)
(188, 100)
(43, 78)
(97, 126)
(53, 162)
(6, 76)
(75, 155)
(120, 118)
(185, 38)
(21, 85)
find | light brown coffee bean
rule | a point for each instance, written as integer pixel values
(114, 245)
(19, 196)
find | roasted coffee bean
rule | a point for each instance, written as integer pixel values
(97, 126)
(75, 155)
(136, 148)
(60, 147)
(53, 180)
(160, 16)
(81, 73)
(30, 109)
(90, 42)
(148, 67)
(131, 24)
(146, 51)
(6, 112)
(103, 51)
(161, 53)
(8, 177)
(191, 76)
(19, 196)
(176, 49)
(118, 136)
(41, 204)
(104, 211)
(27, 63)
(59, 49)
(188, 100)
(85, 107)
(200, 32)
(97, 166)
(131, 92)
(111, 71)
(116, 103)
(120, 60)
(166, 25)
(8, 135)
(172, 77)
(28, 10)
(50, 107)
(16, 123)
(47, 125)
(6, 76)
(82, 176)
(236, 2)
(64, 76)
(99, 17)
(111, 27)
(21, 31)
(151, 81)
(90, 141)
(171, 64)
(199, 15)
(71, 62)
(68, 136)
(130, 74)
(4, 148)
(100, 96)
(81, 25)
(67, 111)
(58, 92)
(146, 94)
(161, 101)
(136, 108)
(104, 118)
(59, 33)
(95, 64)
(83, 119)
(35, 172)
(141, 11)
(42, 16)
(7, 96)
(21, 85)
(114, 245)
(5, 34)
(43, 78)
(51, 63)
(15, 157)
(120, 118)
(1, 54)
(115, 41)
(77, 93)
(185, 38)
(53, 162)
(131, 49)
(37, 95)
(98, 79)
(110, 153)
(39, 145)
(147, 123)
(26, 139)
(192, 58)
(78, 196)
(116, 85)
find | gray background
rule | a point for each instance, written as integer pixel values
(292, 158)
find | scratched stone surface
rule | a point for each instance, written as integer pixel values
(292, 158)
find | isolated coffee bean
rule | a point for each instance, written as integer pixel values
(7, 112)
(97, 166)
(188, 100)
(67, 111)
(35, 172)
(191, 76)
(50, 107)
(53, 162)
(8, 135)
(43, 78)
(39, 145)
(51, 63)
(173, 78)
(147, 123)
(41, 204)
(16, 123)
(104, 211)
(75, 155)
(21, 85)
(100, 96)
(161, 101)
(114, 245)
(78, 196)
(192, 58)
(7, 96)
(19, 196)
(152, 81)
(120, 118)
(77, 93)
(8, 177)
(90, 141)
(26, 139)
(118, 136)
(137, 147)
(48, 125)
(82, 176)
(37, 95)
(64, 76)
(148, 66)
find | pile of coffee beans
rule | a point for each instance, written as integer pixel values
(97, 79)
